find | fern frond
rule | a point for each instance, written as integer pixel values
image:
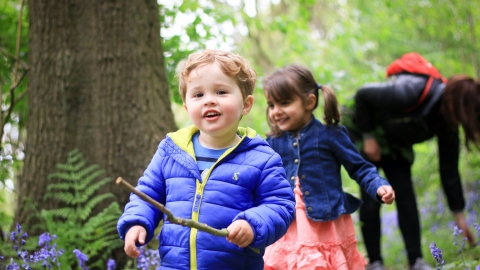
(84, 200)
(64, 176)
(62, 212)
(85, 211)
(68, 167)
(89, 173)
(59, 186)
(73, 173)
(96, 236)
(105, 220)
(65, 197)
(90, 189)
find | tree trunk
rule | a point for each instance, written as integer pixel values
(97, 83)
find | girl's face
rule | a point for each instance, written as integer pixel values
(290, 115)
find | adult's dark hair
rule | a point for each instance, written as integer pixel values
(460, 104)
(297, 81)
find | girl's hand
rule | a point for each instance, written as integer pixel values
(135, 234)
(240, 233)
(387, 194)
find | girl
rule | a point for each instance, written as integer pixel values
(322, 235)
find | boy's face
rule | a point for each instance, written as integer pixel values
(214, 101)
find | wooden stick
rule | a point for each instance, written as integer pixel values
(170, 217)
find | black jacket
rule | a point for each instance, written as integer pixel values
(383, 105)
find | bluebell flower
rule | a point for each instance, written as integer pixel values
(457, 231)
(148, 258)
(82, 259)
(437, 255)
(111, 264)
(44, 239)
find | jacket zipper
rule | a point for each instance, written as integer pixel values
(200, 186)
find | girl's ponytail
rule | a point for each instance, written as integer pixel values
(330, 108)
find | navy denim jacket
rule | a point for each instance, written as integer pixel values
(316, 156)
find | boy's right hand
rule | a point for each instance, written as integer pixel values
(135, 234)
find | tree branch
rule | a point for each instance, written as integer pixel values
(170, 217)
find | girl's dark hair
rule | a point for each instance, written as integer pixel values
(460, 104)
(297, 81)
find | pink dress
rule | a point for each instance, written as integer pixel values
(314, 245)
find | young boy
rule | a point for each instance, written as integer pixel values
(213, 172)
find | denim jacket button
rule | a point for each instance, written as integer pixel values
(295, 144)
(296, 161)
(292, 178)
(309, 208)
(307, 193)
(303, 176)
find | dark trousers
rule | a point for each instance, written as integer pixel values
(398, 173)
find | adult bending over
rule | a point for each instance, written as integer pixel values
(385, 130)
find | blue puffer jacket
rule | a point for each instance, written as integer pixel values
(259, 194)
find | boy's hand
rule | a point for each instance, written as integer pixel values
(387, 194)
(240, 233)
(135, 234)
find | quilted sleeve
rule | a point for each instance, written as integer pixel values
(275, 205)
(138, 211)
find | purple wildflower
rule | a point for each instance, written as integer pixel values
(44, 239)
(148, 258)
(437, 255)
(111, 264)
(82, 259)
(457, 231)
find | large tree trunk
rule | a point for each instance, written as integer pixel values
(97, 83)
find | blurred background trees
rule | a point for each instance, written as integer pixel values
(99, 76)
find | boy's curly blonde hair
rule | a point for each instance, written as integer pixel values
(231, 64)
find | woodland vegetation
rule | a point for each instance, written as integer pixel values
(88, 90)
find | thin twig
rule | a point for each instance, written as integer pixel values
(170, 217)
(11, 56)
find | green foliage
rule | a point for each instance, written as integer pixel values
(9, 12)
(11, 149)
(96, 236)
(199, 21)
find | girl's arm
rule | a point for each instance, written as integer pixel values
(139, 212)
(362, 171)
(275, 202)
